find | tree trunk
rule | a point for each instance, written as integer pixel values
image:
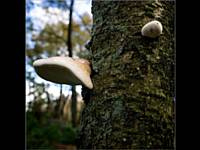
(131, 105)
(73, 106)
(69, 44)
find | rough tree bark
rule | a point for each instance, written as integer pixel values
(131, 105)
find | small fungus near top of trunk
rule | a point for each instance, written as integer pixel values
(152, 29)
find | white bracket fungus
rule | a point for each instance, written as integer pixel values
(64, 70)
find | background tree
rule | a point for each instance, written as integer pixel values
(69, 44)
(131, 105)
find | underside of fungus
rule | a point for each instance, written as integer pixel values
(64, 70)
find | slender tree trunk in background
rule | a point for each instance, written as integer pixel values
(131, 105)
(60, 103)
(48, 101)
(69, 44)
(73, 107)
(60, 91)
(58, 107)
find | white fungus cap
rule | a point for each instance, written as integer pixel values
(152, 29)
(64, 70)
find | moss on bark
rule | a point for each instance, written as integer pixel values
(131, 105)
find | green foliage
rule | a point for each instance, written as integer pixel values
(69, 135)
(43, 130)
(37, 136)
(43, 133)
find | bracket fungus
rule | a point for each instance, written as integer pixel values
(64, 70)
(152, 29)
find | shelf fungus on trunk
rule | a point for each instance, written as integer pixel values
(152, 29)
(64, 70)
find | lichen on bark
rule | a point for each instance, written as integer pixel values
(131, 105)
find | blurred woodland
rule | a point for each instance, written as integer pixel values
(50, 123)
